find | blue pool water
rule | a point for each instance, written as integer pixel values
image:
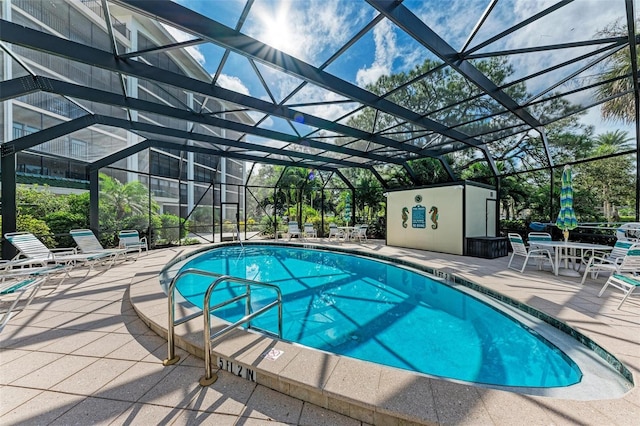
(379, 312)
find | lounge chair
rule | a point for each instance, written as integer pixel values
(310, 231)
(626, 283)
(34, 251)
(519, 249)
(336, 232)
(629, 262)
(16, 278)
(293, 230)
(629, 231)
(130, 241)
(87, 242)
(17, 289)
(12, 270)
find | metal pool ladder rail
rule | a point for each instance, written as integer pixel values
(209, 378)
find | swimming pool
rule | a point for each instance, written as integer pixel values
(380, 312)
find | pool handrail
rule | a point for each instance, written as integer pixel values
(172, 358)
(209, 378)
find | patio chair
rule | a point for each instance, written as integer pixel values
(519, 249)
(87, 242)
(293, 230)
(130, 241)
(16, 290)
(618, 252)
(360, 233)
(538, 236)
(626, 283)
(629, 231)
(310, 231)
(336, 232)
(629, 262)
(34, 251)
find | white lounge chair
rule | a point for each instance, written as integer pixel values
(16, 290)
(16, 278)
(130, 241)
(34, 251)
(626, 283)
(293, 230)
(629, 262)
(629, 231)
(519, 249)
(310, 231)
(13, 270)
(87, 242)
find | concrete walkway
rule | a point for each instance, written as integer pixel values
(81, 355)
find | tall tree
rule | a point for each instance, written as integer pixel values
(369, 201)
(617, 75)
(611, 179)
(443, 95)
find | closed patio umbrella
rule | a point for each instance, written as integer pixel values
(347, 209)
(566, 220)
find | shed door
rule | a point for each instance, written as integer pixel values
(490, 219)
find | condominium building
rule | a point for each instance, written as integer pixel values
(178, 180)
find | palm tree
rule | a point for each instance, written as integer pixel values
(619, 77)
(294, 183)
(613, 142)
(122, 200)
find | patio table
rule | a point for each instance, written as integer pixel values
(347, 231)
(568, 250)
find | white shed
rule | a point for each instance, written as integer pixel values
(448, 218)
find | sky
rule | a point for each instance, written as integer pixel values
(313, 30)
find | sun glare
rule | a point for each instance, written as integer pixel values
(276, 31)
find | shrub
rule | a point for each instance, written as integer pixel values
(190, 241)
(79, 203)
(519, 226)
(61, 222)
(170, 230)
(39, 228)
(266, 225)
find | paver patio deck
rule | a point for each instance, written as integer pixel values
(82, 355)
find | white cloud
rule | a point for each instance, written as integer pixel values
(386, 50)
(182, 36)
(305, 30)
(326, 111)
(256, 116)
(594, 118)
(454, 22)
(233, 83)
(577, 21)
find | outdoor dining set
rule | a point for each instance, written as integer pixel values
(567, 258)
(622, 261)
(339, 233)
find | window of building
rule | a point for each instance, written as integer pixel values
(21, 129)
(78, 149)
(29, 163)
(164, 165)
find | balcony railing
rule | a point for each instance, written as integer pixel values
(96, 7)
